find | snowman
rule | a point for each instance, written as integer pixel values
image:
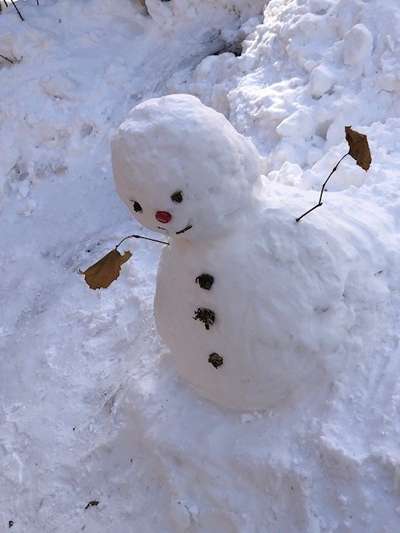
(253, 307)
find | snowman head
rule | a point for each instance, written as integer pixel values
(182, 168)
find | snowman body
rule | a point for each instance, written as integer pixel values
(253, 307)
(277, 326)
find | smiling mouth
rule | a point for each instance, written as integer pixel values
(178, 232)
(184, 229)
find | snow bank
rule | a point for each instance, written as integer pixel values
(310, 69)
(90, 408)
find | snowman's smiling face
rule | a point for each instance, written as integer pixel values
(164, 218)
(182, 169)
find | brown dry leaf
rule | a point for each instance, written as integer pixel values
(104, 272)
(359, 148)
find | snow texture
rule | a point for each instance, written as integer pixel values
(91, 407)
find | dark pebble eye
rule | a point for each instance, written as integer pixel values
(177, 197)
(137, 207)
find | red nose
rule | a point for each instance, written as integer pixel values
(163, 216)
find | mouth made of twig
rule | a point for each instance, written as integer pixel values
(164, 229)
(184, 229)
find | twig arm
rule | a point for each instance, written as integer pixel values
(7, 59)
(323, 188)
(17, 10)
(140, 237)
(309, 211)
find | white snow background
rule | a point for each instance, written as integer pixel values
(89, 407)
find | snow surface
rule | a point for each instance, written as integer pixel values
(90, 409)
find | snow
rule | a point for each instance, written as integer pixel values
(357, 45)
(321, 81)
(91, 408)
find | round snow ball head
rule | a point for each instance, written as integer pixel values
(175, 156)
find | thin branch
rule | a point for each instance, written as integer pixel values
(17, 10)
(323, 188)
(140, 237)
(7, 59)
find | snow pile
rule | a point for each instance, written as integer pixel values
(310, 69)
(90, 409)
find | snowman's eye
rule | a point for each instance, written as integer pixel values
(177, 197)
(137, 207)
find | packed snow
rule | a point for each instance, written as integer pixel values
(98, 433)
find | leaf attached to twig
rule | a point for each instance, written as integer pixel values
(359, 148)
(106, 270)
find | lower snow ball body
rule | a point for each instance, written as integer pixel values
(269, 328)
